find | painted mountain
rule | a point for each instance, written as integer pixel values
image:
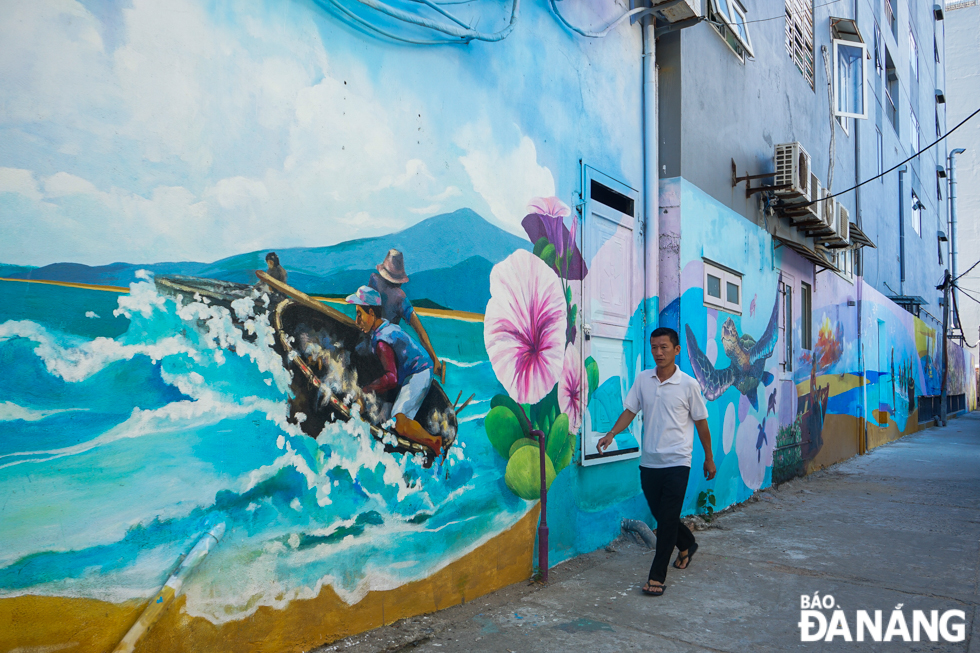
(448, 259)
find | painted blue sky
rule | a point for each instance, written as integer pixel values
(149, 131)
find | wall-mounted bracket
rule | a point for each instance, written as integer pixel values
(749, 191)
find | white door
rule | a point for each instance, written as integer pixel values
(611, 241)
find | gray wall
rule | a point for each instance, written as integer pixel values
(963, 98)
(714, 109)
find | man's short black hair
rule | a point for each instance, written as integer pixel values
(666, 331)
(272, 256)
(373, 310)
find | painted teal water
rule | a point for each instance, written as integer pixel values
(125, 435)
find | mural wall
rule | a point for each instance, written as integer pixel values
(355, 422)
(777, 410)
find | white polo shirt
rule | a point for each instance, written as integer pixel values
(669, 412)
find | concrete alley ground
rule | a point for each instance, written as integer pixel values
(900, 525)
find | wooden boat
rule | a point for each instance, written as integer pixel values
(214, 290)
(314, 403)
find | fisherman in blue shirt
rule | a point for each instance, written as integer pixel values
(406, 366)
(395, 306)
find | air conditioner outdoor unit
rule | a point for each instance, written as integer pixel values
(793, 166)
(840, 236)
(676, 12)
(827, 214)
(808, 212)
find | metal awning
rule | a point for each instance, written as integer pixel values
(858, 237)
(808, 253)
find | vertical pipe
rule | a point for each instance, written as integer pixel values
(543, 524)
(953, 253)
(901, 230)
(651, 178)
(947, 281)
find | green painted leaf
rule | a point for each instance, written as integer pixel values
(540, 245)
(557, 438)
(545, 411)
(523, 475)
(503, 429)
(566, 455)
(523, 442)
(568, 294)
(507, 402)
(548, 255)
(592, 373)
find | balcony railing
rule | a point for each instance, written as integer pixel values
(890, 17)
(891, 110)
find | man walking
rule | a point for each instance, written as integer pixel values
(673, 407)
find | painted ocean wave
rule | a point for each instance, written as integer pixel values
(180, 422)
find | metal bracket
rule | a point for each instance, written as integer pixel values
(749, 191)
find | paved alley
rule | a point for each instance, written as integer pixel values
(899, 526)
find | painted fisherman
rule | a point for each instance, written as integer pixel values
(407, 367)
(276, 271)
(395, 306)
(673, 407)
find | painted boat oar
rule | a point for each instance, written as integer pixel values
(163, 598)
(302, 298)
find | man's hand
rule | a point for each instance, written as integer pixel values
(604, 443)
(709, 469)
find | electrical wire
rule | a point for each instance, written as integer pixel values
(460, 31)
(967, 272)
(956, 310)
(783, 15)
(595, 35)
(896, 166)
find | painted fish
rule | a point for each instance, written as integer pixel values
(748, 359)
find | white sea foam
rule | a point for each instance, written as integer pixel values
(78, 360)
(456, 363)
(9, 412)
(92, 315)
(205, 410)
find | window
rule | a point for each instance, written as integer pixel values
(799, 36)
(788, 326)
(879, 59)
(728, 19)
(913, 55)
(880, 152)
(913, 132)
(722, 288)
(891, 90)
(935, 48)
(844, 260)
(849, 76)
(806, 316)
(917, 207)
(890, 17)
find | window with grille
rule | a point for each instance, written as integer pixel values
(913, 54)
(799, 36)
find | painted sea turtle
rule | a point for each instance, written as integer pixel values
(748, 359)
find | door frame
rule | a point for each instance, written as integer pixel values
(585, 209)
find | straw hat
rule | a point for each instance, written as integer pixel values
(393, 267)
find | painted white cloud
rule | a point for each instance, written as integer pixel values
(506, 180)
(22, 182)
(244, 123)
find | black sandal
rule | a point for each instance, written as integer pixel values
(687, 558)
(656, 590)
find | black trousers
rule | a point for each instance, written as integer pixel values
(664, 489)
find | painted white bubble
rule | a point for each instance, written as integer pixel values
(728, 434)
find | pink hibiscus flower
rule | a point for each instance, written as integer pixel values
(570, 388)
(524, 326)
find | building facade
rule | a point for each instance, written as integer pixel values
(531, 188)
(962, 51)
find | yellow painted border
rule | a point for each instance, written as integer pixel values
(462, 316)
(69, 625)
